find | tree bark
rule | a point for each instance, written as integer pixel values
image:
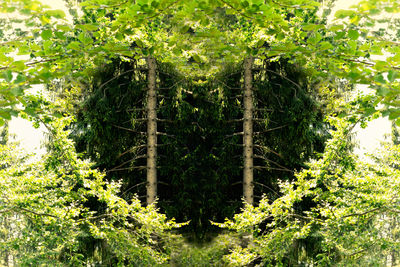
(248, 185)
(151, 132)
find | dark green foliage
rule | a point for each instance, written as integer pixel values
(199, 143)
(196, 162)
(288, 127)
(109, 126)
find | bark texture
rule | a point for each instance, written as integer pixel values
(248, 185)
(151, 132)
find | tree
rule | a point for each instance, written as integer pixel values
(199, 38)
(151, 133)
(52, 221)
(248, 144)
(349, 216)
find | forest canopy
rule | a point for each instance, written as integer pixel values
(199, 133)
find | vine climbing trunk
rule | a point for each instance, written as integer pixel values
(151, 132)
(248, 107)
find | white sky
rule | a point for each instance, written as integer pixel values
(31, 138)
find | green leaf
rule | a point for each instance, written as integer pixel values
(184, 29)
(46, 34)
(139, 43)
(64, 28)
(119, 36)
(260, 43)
(47, 44)
(88, 27)
(382, 91)
(20, 79)
(325, 45)
(376, 50)
(155, 3)
(19, 65)
(380, 79)
(392, 75)
(353, 34)
(340, 14)
(244, 3)
(74, 45)
(335, 28)
(30, 111)
(196, 58)
(17, 91)
(394, 114)
(312, 27)
(58, 14)
(5, 114)
(8, 75)
(380, 65)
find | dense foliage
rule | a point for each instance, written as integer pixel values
(199, 124)
(48, 215)
(331, 210)
(352, 214)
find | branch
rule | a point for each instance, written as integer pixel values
(304, 217)
(162, 10)
(235, 120)
(271, 168)
(286, 78)
(34, 212)
(235, 134)
(363, 213)
(112, 79)
(277, 164)
(130, 130)
(126, 162)
(136, 185)
(269, 130)
(130, 150)
(129, 168)
(269, 150)
(272, 190)
(111, 6)
(32, 63)
(237, 10)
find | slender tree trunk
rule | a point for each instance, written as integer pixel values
(151, 132)
(248, 133)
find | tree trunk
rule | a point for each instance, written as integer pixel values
(151, 132)
(248, 133)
